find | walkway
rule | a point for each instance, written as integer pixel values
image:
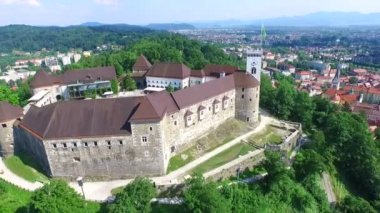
(12, 178)
(101, 191)
(326, 183)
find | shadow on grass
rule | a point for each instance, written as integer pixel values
(29, 161)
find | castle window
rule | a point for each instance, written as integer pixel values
(225, 102)
(242, 89)
(201, 113)
(121, 142)
(85, 144)
(109, 143)
(144, 139)
(146, 153)
(54, 145)
(64, 145)
(76, 159)
(150, 128)
(4, 125)
(247, 119)
(95, 143)
(175, 123)
(242, 96)
(216, 104)
(250, 99)
(75, 144)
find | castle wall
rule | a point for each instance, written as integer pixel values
(178, 133)
(247, 104)
(26, 142)
(6, 138)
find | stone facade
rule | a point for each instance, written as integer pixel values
(6, 138)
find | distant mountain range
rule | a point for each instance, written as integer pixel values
(153, 26)
(313, 19)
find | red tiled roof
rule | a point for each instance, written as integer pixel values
(86, 118)
(374, 91)
(142, 64)
(9, 112)
(350, 98)
(169, 70)
(43, 79)
(197, 73)
(216, 69)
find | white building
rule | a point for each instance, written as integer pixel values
(77, 57)
(161, 75)
(66, 60)
(13, 75)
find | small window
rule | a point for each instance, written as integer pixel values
(188, 118)
(175, 123)
(64, 145)
(247, 119)
(150, 128)
(54, 145)
(75, 144)
(144, 139)
(242, 96)
(209, 108)
(250, 99)
(121, 142)
(146, 153)
(85, 144)
(95, 143)
(242, 89)
(108, 143)
(76, 159)
(4, 125)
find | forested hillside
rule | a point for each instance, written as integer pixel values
(31, 38)
(163, 47)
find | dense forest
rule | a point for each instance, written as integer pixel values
(31, 38)
(163, 47)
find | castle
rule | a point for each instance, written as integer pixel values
(135, 136)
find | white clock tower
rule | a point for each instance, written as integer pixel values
(254, 58)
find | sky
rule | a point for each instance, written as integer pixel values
(141, 12)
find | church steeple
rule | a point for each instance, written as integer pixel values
(336, 81)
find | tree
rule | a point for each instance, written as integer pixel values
(201, 196)
(308, 162)
(129, 83)
(303, 109)
(115, 87)
(353, 204)
(170, 88)
(353, 80)
(284, 100)
(56, 197)
(6, 94)
(119, 69)
(135, 197)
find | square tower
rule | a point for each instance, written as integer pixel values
(254, 58)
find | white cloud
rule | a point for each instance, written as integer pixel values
(21, 2)
(106, 2)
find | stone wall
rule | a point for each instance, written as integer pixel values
(26, 142)
(6, 138)
(178, 132)
(247, 104)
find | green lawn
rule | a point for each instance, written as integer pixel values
(12, 198)
(22, 166)
(226, 132)
(223, 158)
(269, 135)
(117, 190)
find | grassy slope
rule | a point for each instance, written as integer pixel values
(23, 166)
(223, 134)
(223, 158)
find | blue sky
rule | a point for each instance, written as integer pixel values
(69, 12)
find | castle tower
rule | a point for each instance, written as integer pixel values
(254, 58)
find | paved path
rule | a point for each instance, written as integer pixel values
(101, 191)
(12, 178)
(233, 163)
(326, 182)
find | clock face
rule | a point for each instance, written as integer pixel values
(253, 63)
